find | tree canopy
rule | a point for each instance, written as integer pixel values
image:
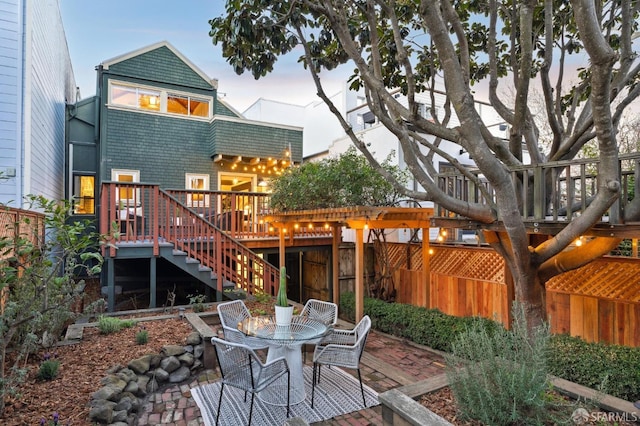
(580, 54)
(343, 181)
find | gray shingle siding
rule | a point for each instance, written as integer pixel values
(162, 148)
(222, 109)
(252, 140)
(160, 66)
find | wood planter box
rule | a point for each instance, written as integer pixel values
(400, 408)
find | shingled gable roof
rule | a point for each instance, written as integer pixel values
(106, 64)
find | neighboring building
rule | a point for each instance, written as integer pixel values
(36, 81)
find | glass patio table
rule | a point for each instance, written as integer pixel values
(284, 341)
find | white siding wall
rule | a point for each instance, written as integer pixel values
(48, 85)
(43, 82)
(10, 95)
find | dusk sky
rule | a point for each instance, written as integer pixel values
(97, 32)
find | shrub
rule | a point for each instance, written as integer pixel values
(108, 325)
(501, 378)
(48, 369)
(262, 297)
(142, 337)
(612, 369)
(196, 301)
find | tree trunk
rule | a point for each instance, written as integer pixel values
(530, 292)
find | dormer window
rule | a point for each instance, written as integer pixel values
(159, 100)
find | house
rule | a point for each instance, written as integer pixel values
(36, 80)
(157, 124)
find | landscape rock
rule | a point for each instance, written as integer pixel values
(170, 364)
(140, 365)
(173, 350)
(180, 375)
(193, 338)
(186, 359)
(102, 411)
(160, 375)
(118, 401)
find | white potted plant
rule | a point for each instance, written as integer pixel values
(284, 312)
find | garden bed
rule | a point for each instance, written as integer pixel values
(431, 402)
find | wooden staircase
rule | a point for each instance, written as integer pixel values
(143, 220)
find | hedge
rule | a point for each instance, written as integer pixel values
(613, 369)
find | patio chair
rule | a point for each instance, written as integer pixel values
(325, 312)
(241, 368)
(231, 313)
(342, 348)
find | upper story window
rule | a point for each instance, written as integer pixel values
(135, 97)
(159, 100)
(187, 105)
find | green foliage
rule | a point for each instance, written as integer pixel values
(612, 369)
(348, 180)
(501, 378)
(109, 325)
(236, 293)
(40, 268)
(281, 297)
(262, 297)
(428, 327)
(48, 370)
(196, 301)
(142, 337)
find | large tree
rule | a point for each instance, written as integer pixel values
(412, 44)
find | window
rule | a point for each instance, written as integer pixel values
(127, 194)
(197, 182)
(83, 194)
(186, 105)
(159, 100)
(135, 97)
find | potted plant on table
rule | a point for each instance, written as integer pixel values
(284, 312)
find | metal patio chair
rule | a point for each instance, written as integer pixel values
(342, 348)
(241, 368)
(232, 313)
(325, 312)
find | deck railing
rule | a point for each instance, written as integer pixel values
(554, 191)
(143, 213)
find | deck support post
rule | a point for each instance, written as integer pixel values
(111, 286)
(153, 277)
(359, 282)
(426, 267)
(335, 264)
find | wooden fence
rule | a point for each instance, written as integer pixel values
(598, 302)
(14, 224)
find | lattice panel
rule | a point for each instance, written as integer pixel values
(485, 265)
(32, 229)
(480, 264)
(397, 253)
(609, 278)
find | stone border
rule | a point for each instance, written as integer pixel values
(400, 408)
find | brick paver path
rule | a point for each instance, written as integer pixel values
(388, 363)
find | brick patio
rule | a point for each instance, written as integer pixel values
(388, 362)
